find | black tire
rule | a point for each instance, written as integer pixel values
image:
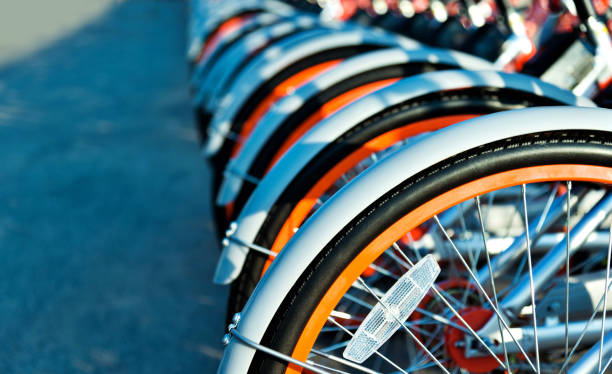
(220, 161)
(575, 147)
(265, 157)
(480, 100)
(221, 158)
(244, 62)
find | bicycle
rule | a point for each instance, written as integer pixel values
(325, 292)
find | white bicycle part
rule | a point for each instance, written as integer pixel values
(277, 58)
(349, 68)
(370, 186)
(253, 215)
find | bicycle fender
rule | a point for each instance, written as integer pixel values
(372, 184)
(239, 51)
(225, 68)
(206, 18)
(269, 189)
(279, 112)
(274, 60)
(203, 65)
(301, 26)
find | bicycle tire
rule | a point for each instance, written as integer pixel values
(290, 331)
(435, 105)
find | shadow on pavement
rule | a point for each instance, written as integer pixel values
(106, 234)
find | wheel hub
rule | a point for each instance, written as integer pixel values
(475, 317)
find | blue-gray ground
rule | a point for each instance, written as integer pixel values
(106, 242)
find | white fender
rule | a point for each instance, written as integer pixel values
(275, 59)
(369, 186)
(206, 17)
(225, 68)
(279, 112)
(280, 176)
(258, 21)
(252, 41)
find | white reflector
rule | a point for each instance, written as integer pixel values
(401, 300)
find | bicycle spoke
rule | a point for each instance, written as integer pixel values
(473, 256)
(433, 316)
(463, 225)
(424, 366)
(434, 335)
(603, 320)
(408, 262)
(357, 300)
(390, 253)
(584, 330)
(328, 369)
(530, 269)
(493, 288)
(335, 329)
(435, 349)
(567, 266)
(411, 241)
(516, 277)
(404, 327)
(383, 271)
(549, 202)
(422, 361)
(447, 303)
(332, 320)
(443, 320)
(503, 262)
(344, 315)
(342, 361)
(484, 293)
(603, 370)
(454, 311)
(516, 213)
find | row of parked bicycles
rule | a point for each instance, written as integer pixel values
(409, 185)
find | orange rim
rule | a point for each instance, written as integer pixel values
(226, 27)
(326, 110)
(381, 142)
(375, 248)
(287, 87)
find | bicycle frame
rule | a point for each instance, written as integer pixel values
(271, 187)
(370, 186)
(548, 337)
(544, 271)
(276, 116)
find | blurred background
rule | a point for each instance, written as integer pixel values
(106, 237)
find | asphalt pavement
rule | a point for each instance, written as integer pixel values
(106, 233)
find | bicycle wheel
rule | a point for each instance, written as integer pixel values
(270, 70)
(213, 77)
(211, 53)
(329, 296)
(209, 22)
(351, 154)
(289, 119)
